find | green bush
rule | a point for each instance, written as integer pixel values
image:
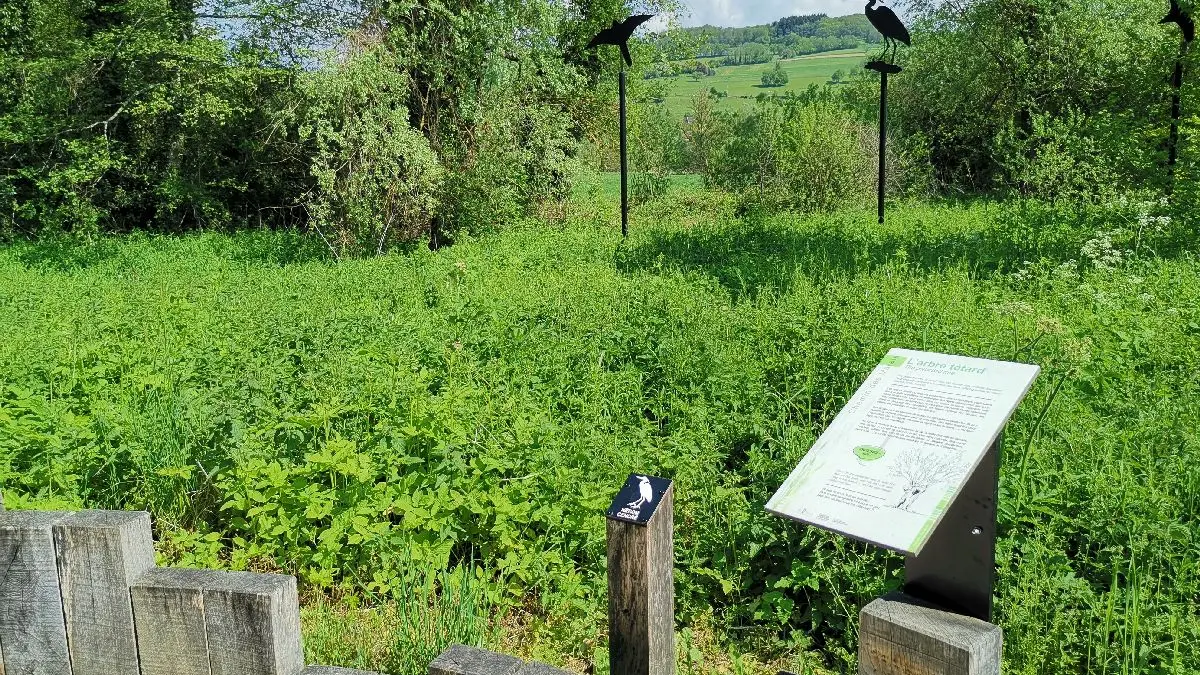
(377, 181)
(776, 77)
(788, 154)
(1069, 99)
(120, 116)
(522, 158)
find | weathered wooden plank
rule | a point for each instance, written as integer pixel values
(900, 635)
(253, 623)
(641, 593)
(100, 554)
(168, 614)
(463, 660)
(33, 635)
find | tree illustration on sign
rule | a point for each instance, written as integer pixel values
(918, 472)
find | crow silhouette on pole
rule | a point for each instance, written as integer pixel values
(619, 33)
(889, 26)
(1182, 19)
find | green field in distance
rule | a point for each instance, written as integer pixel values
(744, 83)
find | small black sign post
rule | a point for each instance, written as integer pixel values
(624, 158)
(641, 578)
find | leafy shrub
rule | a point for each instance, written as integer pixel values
(648, 185)
(775, 77)
(161, 127)
(377, 179)
(522, 158)
(1059, 160)
(796, 155)
(1069, 95)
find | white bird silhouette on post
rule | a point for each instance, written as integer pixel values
(646, 491)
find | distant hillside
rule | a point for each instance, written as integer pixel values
(786, 38)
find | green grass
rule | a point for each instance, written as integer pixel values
(479, 405)
(744, 83)
(606, 186)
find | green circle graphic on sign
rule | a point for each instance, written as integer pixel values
(868, 453)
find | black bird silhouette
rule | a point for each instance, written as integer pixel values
(888, 25)
(1180, 17)
(619, 34)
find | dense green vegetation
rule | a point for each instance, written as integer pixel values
(775, 77)
(226, 296)
(342, 421)
(424, 120)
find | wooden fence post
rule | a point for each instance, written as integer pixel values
(901, 635)
(168, 612)
(33, 635)
(100, 554)
(253, 624)
(641, 581)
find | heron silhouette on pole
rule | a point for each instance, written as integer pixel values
(1182, 19)
(618, 34)
(893, 31)
(889, 26)
(645, 493)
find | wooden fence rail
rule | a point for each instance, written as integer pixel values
(80, 595)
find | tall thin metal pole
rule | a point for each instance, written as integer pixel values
(624, 163)
(882, 142)
(1173, 142)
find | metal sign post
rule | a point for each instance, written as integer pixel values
(957, 568)
(884, 69)
(1188, 28)
(894, 34)
(624, 159)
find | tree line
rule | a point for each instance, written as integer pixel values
(376, 123)
(786, 38)
(371, 121)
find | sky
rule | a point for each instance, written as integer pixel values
(736, 13)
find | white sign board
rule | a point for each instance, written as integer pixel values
(897, 455)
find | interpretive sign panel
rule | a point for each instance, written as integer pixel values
(897, 455)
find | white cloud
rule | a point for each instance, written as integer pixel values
(755, 12)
